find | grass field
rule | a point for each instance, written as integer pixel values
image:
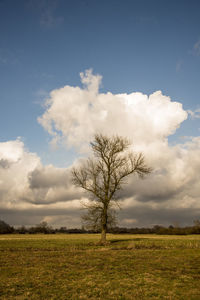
(74, 267)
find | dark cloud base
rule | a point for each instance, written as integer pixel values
(146, 217)
(141, 216)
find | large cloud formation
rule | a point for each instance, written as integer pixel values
(31, 192)
(74, 114)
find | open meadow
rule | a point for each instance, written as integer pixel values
(73, 266)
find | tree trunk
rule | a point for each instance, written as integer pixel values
(103, 234)
(104, 225)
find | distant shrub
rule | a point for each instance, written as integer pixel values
(5, 228)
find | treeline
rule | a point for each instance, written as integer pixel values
(171, 230)
(46, 229)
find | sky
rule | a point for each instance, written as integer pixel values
(69, 69)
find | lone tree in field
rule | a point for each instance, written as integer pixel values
(104, 175)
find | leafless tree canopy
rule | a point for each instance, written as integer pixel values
(92, 220)
(105, 174)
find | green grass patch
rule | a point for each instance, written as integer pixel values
(74, 267)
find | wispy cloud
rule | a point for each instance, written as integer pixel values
(179, 65)
(3, 59)
(195, 114)
(145, 20)
(40, 95)
(47, 12)
(8, 57)
(196, 48)
(48, 19)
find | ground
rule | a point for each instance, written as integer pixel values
(73, 266)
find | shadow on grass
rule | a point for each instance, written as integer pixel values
(128, 240)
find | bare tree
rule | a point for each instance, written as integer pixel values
(92, 219)
(104, 175)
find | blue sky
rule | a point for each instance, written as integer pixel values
(137, 47)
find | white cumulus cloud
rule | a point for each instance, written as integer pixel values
(31, 191)
(26, 183)
(74, 114)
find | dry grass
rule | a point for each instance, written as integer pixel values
(75, 267)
